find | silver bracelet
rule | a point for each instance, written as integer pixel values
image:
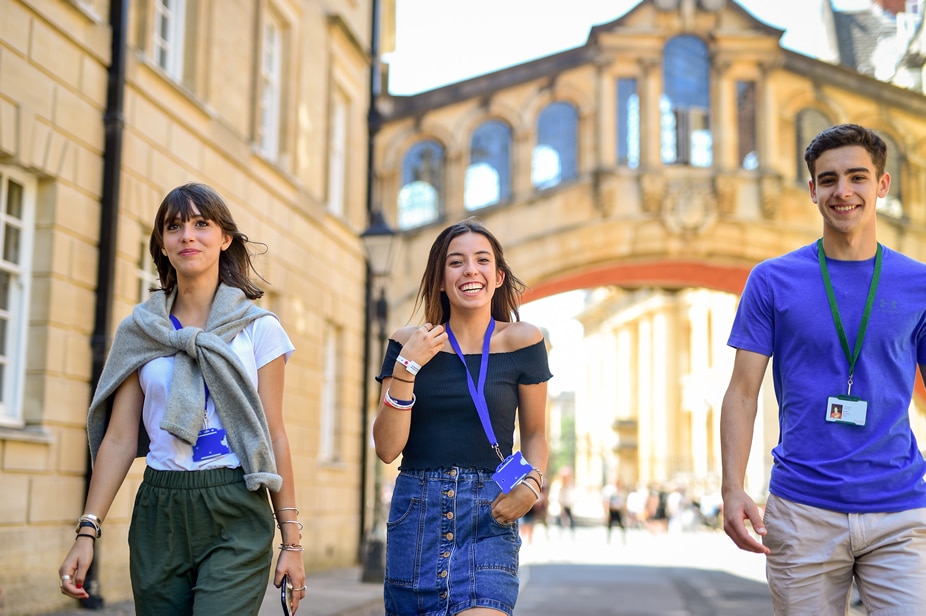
(530, 487)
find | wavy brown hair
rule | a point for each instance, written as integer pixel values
(235, 264)
(507, 297)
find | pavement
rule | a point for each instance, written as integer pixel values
(337, 592)
(340, 592)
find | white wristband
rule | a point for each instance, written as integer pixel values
(411, 366)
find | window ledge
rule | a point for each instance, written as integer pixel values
(26, 435)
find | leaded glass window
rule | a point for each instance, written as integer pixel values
(488, 178)
(554, 157)
(628, 123)
(421, 195)
(685, 103)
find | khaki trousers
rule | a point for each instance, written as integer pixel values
(815, 553)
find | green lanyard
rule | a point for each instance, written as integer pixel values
(852, 357)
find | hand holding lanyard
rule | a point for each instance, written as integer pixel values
(515, 468)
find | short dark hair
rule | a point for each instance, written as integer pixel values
(234, 262)
(507, 298)
(843, 135)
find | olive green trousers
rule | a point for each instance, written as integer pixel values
(200, 544)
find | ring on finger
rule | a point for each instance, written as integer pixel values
(302, 589)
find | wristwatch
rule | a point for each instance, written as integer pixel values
(411, 366)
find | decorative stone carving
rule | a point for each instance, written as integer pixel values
(652, 190)
(689, 206)
(770, 191)
(726, 188)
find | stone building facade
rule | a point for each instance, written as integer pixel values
(264, 100)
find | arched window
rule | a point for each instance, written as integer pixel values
(892, 205)
(686, 103)
(554, 157)
(810, 122)
(421, 195)
(488, 177)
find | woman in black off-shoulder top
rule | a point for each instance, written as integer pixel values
(452, 533)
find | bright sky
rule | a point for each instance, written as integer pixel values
(443, 41)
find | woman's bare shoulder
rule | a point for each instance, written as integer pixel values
(402, 334)
(520, 334)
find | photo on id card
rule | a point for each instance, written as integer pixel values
(847, 410)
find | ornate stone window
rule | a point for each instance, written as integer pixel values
(685, 104)
(554, 157)
(488, 177)
(421, 196)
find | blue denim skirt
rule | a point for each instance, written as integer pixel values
(445, 553)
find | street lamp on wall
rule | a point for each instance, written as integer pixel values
(378, 240)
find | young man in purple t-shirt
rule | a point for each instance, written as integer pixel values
(845, 320)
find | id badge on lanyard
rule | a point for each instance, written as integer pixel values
(210, 442)
(514, 468)
(848, 409)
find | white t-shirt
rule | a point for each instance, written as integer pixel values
(256, 346)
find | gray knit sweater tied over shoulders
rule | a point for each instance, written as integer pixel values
(199, 354)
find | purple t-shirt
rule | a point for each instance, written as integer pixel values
(784, 314)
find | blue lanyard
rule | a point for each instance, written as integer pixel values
(178, 326)
(478, 393)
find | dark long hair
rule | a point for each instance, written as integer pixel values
(235, 263)
(843, 135)
(507, 297)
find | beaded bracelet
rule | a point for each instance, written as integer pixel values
(291, 547)
(402, 405)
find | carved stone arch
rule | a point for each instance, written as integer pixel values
(804, 98)
(881, 124)
(394, 152)
(533, 104)
(886, 126)
(474, 118)
(569, 93)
